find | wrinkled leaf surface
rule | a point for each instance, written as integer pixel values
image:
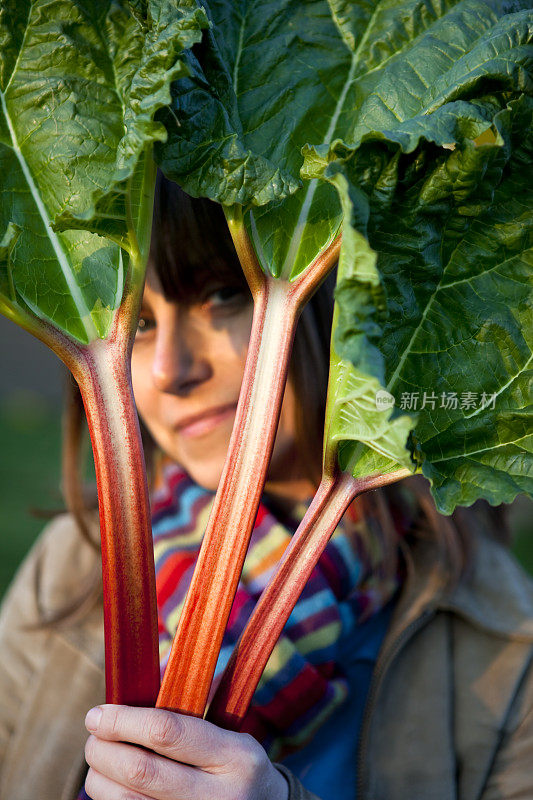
(79, 87)
(442, 325)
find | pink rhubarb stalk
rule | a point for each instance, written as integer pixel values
(130, 613)
(102, 371)
(249, 658)
(277, 306)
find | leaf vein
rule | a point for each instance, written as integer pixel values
(482, 449)
(54, 240)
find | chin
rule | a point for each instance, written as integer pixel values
(203, 458)
(205, 475)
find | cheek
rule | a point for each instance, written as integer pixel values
(229, 348)
(141, 382)
(228, 371)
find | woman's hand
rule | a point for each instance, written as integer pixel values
(141, 753)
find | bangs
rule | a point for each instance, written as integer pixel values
(191, 245)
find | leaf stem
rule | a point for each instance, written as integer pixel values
(130, 614)
(203, 620)
(275, 605)
(277, 306)
(102, 371)
(245, 249)
(139, 220)
(318, 270)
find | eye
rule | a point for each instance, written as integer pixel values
(226, 297)
(145, 324)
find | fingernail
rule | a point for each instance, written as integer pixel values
(92, 720)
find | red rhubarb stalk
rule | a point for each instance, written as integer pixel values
(277, 306)
(130, 614)
(249, 658)
(102, 371)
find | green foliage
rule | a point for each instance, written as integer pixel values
(270, 78)
(451, 232)
(404, 123)
(407, 123)
(80, 84)
(266, 79)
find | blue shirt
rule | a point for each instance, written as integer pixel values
(327, 765)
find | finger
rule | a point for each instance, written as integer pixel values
(98, 787)
(145, 773)
(187, 739)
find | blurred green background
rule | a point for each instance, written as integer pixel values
(31, 384)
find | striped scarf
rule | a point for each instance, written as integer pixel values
(302, 684)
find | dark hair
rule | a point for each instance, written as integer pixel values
(184, 256)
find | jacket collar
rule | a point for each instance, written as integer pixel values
(498, 594)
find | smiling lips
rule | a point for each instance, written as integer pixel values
(206, 421)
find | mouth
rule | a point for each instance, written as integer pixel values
(200, 424)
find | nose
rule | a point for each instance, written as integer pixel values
(181, 358)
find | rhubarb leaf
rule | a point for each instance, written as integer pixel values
(80, 84)
(270, 78)
(264, 79)
(358, 409)
(451, 234)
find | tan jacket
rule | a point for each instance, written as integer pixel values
(450, 709)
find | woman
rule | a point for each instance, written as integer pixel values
(408, 666)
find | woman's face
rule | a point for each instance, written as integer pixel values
(187, 368)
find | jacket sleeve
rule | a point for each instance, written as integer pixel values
(49, 675)
(511, 773)
(296, 790)
(22, 650)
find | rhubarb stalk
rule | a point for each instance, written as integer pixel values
(277, 306)
(249, 658)
(102, 371)
(130, 614)
(101, 367)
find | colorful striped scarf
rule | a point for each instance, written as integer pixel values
(302, 684)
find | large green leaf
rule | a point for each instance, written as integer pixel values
(451, 233)
(274, 76)
(80, 83)
(266, 79)
(381, 107)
